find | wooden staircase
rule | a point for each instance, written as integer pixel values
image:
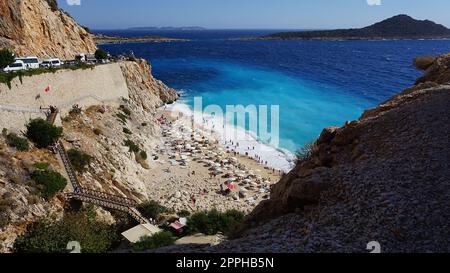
(94, 197)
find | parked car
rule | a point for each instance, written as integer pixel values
(70, 62)
(90, 59)
(30, 62)
(16, 66)
(51, 63)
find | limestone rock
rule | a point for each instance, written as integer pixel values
(32, 28)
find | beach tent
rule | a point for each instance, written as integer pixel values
(177, 226)
(231, 186)
(135, 234)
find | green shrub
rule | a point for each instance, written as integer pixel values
(212, 222)
(42, 166)
(87, 29)
(43, 133)
(20, 143)
(50, 181)
(6, 58)
(152, 209)
(184, 213)
(6, 78)
(127, 131)
(100, 54)
(79, 160)
(125, 110)
(52, 237)
(7, 204)
(53, 4)
(133, 147)
(143, 155)
(122, 118)
(158, 240)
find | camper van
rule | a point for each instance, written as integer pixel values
(16, 66)
(30, 62)
(51, 63)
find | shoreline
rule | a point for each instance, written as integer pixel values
(191, 170)
(247, 144)
(339, 39)
(106, 40)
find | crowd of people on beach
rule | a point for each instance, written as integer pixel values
(184, 145)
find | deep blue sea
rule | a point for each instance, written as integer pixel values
(316, 83)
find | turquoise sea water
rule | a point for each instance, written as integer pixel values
(305, 106)
(316, 84)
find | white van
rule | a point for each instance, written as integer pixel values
(51, 63)
(16, 66)
(86, 58)
(30, 62)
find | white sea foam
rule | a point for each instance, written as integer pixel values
(229, 136)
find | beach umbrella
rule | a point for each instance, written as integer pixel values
(232, 186)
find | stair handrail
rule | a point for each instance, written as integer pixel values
(93, 196)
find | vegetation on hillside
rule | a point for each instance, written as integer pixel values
(53, 4)
(20, 143)
(100, 54)
(52, 237)
(7, 78)
(79, 160)
(213, 222)
(49, 182)
(6, 58)
(158, 240)
(152, 209)
(127, 131)
(43, 133)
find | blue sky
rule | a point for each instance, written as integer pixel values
(262, 14)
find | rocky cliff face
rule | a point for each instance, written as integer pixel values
(32, 27)
(20, 203)
(384, 177)
(144, 89)
(101, 135)
(98, 131)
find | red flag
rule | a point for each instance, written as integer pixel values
(47, 89)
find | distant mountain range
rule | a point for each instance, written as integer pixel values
(397, 27)
(166, 28)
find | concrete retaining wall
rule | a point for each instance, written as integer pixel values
(104, 84)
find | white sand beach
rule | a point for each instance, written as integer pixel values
(193, 170)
